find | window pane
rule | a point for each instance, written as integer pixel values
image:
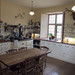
(59, 33)
(52, 29)
(52, 19)
(59, 18)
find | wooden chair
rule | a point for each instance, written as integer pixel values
(39, 64)
(29, 66)
(17, 68)
(22, 48)
(44, 48)
(11, 50)
(14, 68)
(0, 70)
(47, 50)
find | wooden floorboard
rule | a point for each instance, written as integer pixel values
(58, 67)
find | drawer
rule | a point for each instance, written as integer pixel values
(30, 41)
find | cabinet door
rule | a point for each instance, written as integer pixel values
(4, 47)
(43, 43)
(55, 48)
(22, 44)
(47, 44)
(57, 51)
(7, 46)
(1, 48)
(61, 51)
(69, 53)
(29, 44)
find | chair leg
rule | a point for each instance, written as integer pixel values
(45, 64)
(1, 73)
(26, 48)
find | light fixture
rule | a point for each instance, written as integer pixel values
(31, 12)
(73, 8)
(72, 11)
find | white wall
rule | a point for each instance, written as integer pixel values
(10, 10)
(44, 26)
(69, 31)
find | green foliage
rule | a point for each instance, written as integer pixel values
(50, 35)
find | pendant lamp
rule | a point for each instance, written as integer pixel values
(31, 12)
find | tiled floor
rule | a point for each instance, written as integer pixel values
(57, 67)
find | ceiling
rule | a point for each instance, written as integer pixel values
(42, 3)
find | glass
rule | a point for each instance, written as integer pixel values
(52, 19)
(59, 33)
(52, 29)
(59, 19)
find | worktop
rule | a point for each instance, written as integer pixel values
(46, 39)
(2, 41)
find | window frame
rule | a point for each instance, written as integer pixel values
(63, 21)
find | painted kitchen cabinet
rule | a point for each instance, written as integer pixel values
(4, 47)
(61, 51)
(10, 45)
(29, 44)
(24, 43)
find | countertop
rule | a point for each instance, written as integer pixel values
(2, 41)
(46, 39)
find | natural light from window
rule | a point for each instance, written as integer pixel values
(55, 26)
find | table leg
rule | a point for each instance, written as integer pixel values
(0, 70)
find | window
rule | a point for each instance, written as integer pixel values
(55, 25)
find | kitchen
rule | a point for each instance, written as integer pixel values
(33, 31)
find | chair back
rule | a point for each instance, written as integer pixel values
(29, 66)
(0, 70)
(44, 48)
(40, 64)
(41, 59)
(29, 63)
(22, 48)
(11, 50)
